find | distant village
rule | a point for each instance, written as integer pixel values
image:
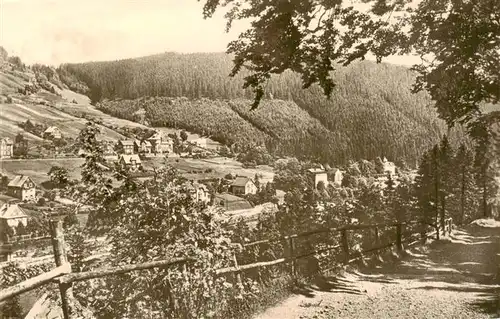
(23, 203)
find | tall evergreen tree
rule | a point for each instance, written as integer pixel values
(465, 191)
(446, 177)
(485, 179)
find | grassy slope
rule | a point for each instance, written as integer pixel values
(26, 108)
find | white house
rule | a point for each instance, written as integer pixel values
(52, 132)
(389, 167)
(337, 176)
(161, 144)
(22, 187)
(199, 192)
(11, 214)
(132, 161)
(319, 175)
(243, 186)
(200, 142)
(6, 148)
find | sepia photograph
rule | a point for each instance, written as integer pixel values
(250, 159)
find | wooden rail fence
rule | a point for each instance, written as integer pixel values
(63, 276)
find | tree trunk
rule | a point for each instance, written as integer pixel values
(442, 216)
(485, 199)
(462, 198)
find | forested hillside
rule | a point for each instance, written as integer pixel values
(371, 113)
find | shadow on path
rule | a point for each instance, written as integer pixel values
(467, 261)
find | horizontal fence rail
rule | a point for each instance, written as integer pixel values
(64, 277)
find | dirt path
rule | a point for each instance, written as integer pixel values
(451, 278)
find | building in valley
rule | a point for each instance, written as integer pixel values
(53, 132)
(161, 144)
(132, 161)
(243, 186)
(318, 175)
(127, 147)
(336, 176)
(12, 215)
(22, 187)
(6, 148)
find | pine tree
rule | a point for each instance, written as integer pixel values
(464, 187)
(485, 178)
(446, 177)
(425, 190)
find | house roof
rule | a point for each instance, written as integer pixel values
(127, 142)
(19, 181)
(147, 143)
(129, 158)
(7, 140)
(241, 181)
(232, 202)
(156, 136)
(51, 129)
(9, 211)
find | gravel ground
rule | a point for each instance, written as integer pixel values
(450, 278)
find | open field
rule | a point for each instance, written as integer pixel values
(84, 108)
(221, 166)
(70, 126)
(37, 169)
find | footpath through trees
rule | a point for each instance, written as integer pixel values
(456, 277)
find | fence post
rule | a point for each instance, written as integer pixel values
(399, 235)
(450, 226)
(291, 244)
(437, 230)
(238, 274)
(60, 257)
(345, 245)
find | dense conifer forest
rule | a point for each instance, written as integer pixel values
(372, 111)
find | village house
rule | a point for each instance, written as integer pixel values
(132, 161)
(389, 167)
(127, 147)
(199, 192)
(22, 187)
(243, 186)
(146, 147)
(336, 176)
(161, 144)
(6, 148)
(53, 132)
(11, 214)
(200, 142)
(318, 175)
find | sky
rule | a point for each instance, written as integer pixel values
(68, 31)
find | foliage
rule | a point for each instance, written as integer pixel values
(33, 128)
(456, 41)
(183, 136)
(12, 274)
(255, 154)
(20, 146)
(59, 176)
(372, 113)
(78, 248)
(20, 229)
(456, 183)
(70, 220)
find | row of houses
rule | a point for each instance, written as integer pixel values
(20, 188)
(156, 144)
